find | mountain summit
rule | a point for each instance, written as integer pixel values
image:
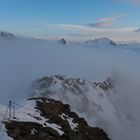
(62, 41)
(51, 120)
(6, 35)
(101, 41)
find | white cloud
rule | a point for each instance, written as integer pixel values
(103, 22)
(107, 21)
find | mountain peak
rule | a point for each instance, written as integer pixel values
(137, 30)
(102, 41)
(50, 120)
(6, 35)
(63, 41)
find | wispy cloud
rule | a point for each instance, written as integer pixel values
(98, 29)
(103, 22)
(106, 21)
(83, 32)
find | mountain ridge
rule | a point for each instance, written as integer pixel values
(7, 35)
(55, 122)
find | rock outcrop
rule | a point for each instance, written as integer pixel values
(61, 84)
(55, 121)
(62, 41)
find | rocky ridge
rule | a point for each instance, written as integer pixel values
(53, 121)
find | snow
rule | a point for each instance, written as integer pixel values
(72, 125)
(100, 42)
(55, 127)
(3, 109)
(3, 135)
(22, 115)
(24, 60)
(28, 114)
(70, 121)
(33, 131)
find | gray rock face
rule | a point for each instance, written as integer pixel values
(60, 84)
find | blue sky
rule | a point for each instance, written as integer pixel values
(44, 17)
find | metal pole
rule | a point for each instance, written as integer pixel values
(9, 109)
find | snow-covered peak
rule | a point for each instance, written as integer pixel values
(6, 35)
(62, 41)
(60, 84)
(101, 41)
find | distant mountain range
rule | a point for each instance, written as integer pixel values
(95, 42)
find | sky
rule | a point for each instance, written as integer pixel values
(71, 18)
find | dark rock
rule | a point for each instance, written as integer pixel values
(63, 41)
(58, 113)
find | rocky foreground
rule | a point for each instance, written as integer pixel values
(52, 120)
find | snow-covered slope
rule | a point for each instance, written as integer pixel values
(101, 42)
(101, 103)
